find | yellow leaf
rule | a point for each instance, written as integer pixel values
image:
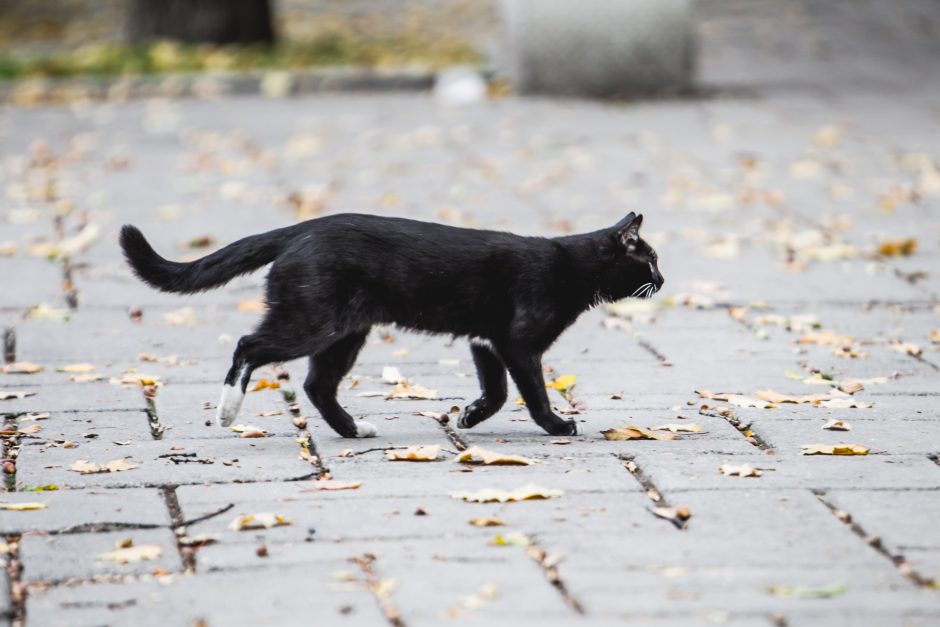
(837, 425)
(563, 383)
(76, 368)
(414, 454)
(775, 397)
(252, 306)
(486, 522)
(136, 378)
(21, 367)
(837, 449)
(477, 455)
(635, 433)
(333, 484)
(513, 538)
(744, 470)
(248, 431)
(263, 520)
(690, 427)
(22, 507)
(898, 247)
(264, 384)
(524, 493)
(405, 389)
(132, 554)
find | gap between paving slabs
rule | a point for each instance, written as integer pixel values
(898, 559)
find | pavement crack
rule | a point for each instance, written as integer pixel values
(187, 553)
(9, 345)
(17, 589)
(652, 492)
(10, 440)
(309, 453)
(381, 589)
(652, 350)
(153, 418)
(900, 562)
(443, 421)
(745, 428)
(205, 517)
(549, 565)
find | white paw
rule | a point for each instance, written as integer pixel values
(229, 406)
(578, 429)
(366, 429)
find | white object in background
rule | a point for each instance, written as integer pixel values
(459, 86)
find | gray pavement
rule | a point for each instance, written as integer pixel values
(765, 210)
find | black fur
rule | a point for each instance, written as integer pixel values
(334, 277)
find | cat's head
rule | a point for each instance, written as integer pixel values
(634, 270)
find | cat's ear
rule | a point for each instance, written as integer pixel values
(628, 230)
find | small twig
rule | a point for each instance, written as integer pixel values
(199, 519)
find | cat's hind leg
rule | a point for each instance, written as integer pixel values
(492, 375)
(327, 369)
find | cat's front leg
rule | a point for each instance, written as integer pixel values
(492, 375)
(526, 371)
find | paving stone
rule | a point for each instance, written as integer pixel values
(66, 509)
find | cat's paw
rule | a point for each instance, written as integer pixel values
(475, 413)
(366, 429)
(229, 405)
(576, 428)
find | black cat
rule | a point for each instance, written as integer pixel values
(334, 277)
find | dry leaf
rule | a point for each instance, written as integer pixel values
(252, 306)
(837, 425)
(185, 317)
(86, 378)
(835, 449)
(524, 493)
(486, 522)
(270, 412)
(850, 352)
(85, 467)
(45, 312)
(406, 389)
(136, 378)
(333, 484)
(248, 431)
(935, 336)
(264, 384)
(22, 507)
(736, 399)
(635, 433)
(689, 427)
(21, 367)
(300, 422)
(414, 454)
(776, 397)
(9, 395)
(477, 455)
(76, 368)
(563, 383)
(672, 513)
(35, 416)
(439, 416)
(513, 538)
(31, 429)
(898, 247)
(826, 337)
(391, 375)
(744, 470)
(263, 520)
(133, 554)
(902, 347)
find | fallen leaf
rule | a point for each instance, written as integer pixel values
(22, 507)
(775, 397)
(406, 389)
(185, 317)
(264, 384)
(486, 522)
(86, 378)
(837, 425)
(850, 352)
(271, 412)
(77, 368)
(43, 311)
(263, 520)
(477, 455)
(672, 513)
(736, 399)
(902, 347)
(33, 415)
(31, 429)
(248, 431)
(826, 337)
(391, 375)
(524, 493)
(333, 484)
(136, 378)
(635, 433)
(513, 538)
(85, 467)
(835, 449)
(133, 554)
(9, 395)
(7, 249)
(258, 306)
(21, 367)
(439, 416)
(744, 470)
(898, 247)
(935, 336)
(689, 427)
(563, 383)
(808, 592)
(414, 454)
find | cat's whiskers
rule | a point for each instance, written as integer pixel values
(637, 293)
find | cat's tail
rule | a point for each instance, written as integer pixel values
(211, 271)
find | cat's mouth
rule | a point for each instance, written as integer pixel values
(645, 291)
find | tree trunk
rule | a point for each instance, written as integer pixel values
(201, 21)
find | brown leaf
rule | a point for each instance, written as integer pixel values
(837, 425)
(248, 431)
(333, 484)
(414, 454)
(736, 399)
(898, 247)
(835, 449)
(524, 493)
(405, 389)
(486, 522)
(477, 455)
(685, 427)
(776, 397)
(635, 433)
